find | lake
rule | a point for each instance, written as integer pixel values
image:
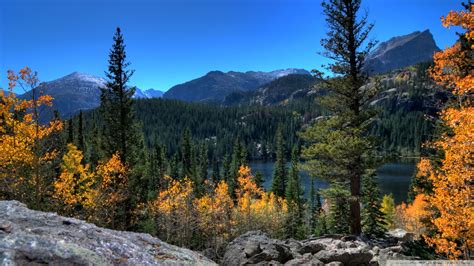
(394, 177)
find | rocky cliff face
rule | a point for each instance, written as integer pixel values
(33, 237)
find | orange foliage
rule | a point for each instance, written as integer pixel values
(23, 153)
(453, 66)
(452, 180)
(413, 217)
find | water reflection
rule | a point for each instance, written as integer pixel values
(394, 177)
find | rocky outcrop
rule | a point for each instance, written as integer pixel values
(34, 237)
(257, 248)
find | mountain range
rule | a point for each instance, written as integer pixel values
(79, 91)
(216, 85)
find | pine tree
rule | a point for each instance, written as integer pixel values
(258, 179)
(339, 148)
(238, 159)
(121, 132)
(373, 222)
(186, 154)
(279, 180)
(80, 133)
(337, 221)
(295, 198)
(174, 167)
(70, 131)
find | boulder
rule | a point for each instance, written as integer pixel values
(306, 259)
(34, 237)
(312, 246)
(256, 247)
(350, 256)
(401, 235)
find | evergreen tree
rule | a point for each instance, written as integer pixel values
(339, 148)
(295, 198)
(238, 159)
(70, 131)
(338, 221)
(373, 221)
(80, 133)
(279, 180)
(186, 154)
(174, 167)
(258, 179)
(121, 131)
(225, 171)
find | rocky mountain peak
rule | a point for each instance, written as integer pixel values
(402, 51)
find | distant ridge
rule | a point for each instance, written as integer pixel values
(216, 85)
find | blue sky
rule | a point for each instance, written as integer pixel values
(173, 41)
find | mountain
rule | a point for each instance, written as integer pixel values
(280, 90)
(402, 51)
(79, 91)
(71, 93)
(147, 94)
(216, 85)
(152, 93)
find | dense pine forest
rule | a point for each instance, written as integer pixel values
(180, 171)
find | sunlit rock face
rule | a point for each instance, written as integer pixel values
(34, 237)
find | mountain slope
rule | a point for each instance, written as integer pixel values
(79, 91)
(402, 51)
(216, 85)
(277, 91)
(71, 93)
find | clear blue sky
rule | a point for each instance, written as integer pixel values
(173, 41)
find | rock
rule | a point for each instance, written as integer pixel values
(306, 259)
(34, 237)
(256, 247)
(252, 249)
(401, 235)
(311, 247)
(335, 263)
(351, 256)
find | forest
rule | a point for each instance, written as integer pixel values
(179, 171)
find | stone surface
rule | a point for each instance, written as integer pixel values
(33, 237)
(243, 250)
(258, 248)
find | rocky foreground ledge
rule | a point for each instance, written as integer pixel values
(256, 247)
(33, 237)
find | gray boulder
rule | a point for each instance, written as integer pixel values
(255, 247)
(34, 237)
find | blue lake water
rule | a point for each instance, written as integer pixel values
(394, 177)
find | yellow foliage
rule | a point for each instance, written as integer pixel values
(74, 187)
(257, 209)
(111, 193)
(214, 213)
